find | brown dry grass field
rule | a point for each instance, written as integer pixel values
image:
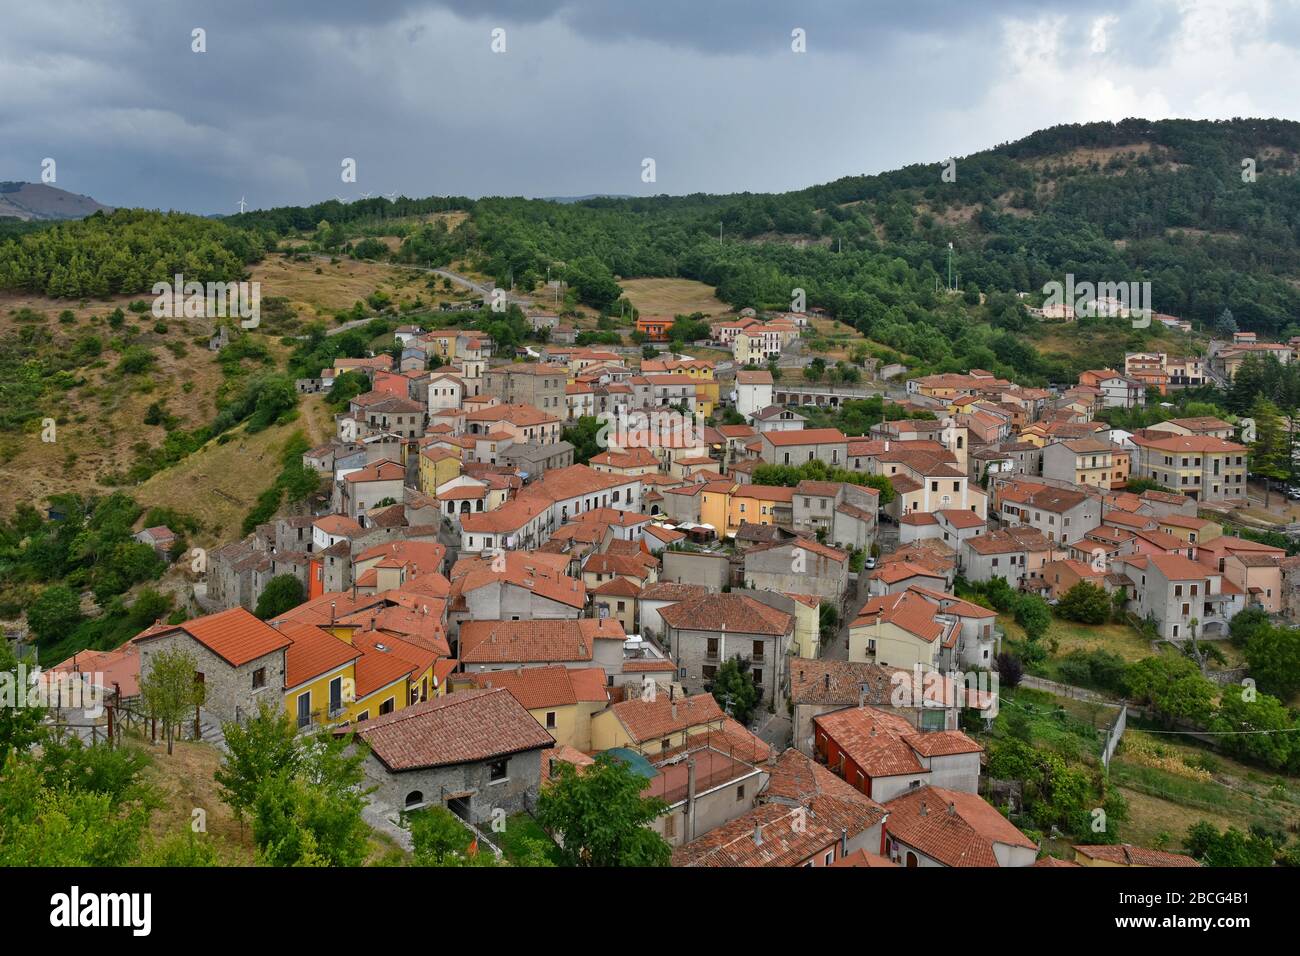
(672, 297)
(317, 288)
(219, 483)
(100, 420)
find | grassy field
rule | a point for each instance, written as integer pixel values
(317, 288)
(219, 483)
(1171, 784)
(667, 297)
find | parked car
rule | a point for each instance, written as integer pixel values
(869, 564)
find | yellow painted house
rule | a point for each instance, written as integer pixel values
(653, 726)
(338, 673)
(806, 641)
(561, 699)
(899, 630)
(438, 465)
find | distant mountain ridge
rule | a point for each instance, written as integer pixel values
(42, 202)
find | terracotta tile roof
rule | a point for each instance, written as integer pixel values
(379, 471)
(954, 828)
(520, 415)
(552, 686)
(734, 612)
(962, 519)
(772, 834)
(511, 516)
(463, 727)
(672, 591)
(798, 778)
(1127, 854)
(652, 720)
(618, 587)
(534, 571)
(884, 744)
(1202, 444)
(805, 436)
(313, 653)
(336, 524)
(897, 571)
(236, 636)
(496, 642)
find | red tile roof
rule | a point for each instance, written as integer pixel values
(954, 828)
(463, 727)
(496, 642)
(236, 636)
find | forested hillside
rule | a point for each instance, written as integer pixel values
(1167, 202)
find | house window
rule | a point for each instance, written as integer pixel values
(336, 695)
(414, 799)
(829, 858)
(304, 709)
(259, 678)
(364, 715)
(550, 720)
(387, 706)
(497, 770)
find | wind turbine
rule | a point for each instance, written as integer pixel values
(365, 195)
(392, 197)
(242, 203)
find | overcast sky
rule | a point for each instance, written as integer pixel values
(587, 89)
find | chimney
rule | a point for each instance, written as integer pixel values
(844, 841)
(828, 681)
(952, 809)
(332, 612)
(924, 810)
(758, 835)
(674, 710)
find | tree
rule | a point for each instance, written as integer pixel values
(46, 825)
(437, 837)
(1226, 325)
(169, 689)
(1010, 670)
(1270, 454)
(584, 436)
(20, 726)
(282, 593)
(601, 816)
(1174, 686)
(1086, 603)
(1273, 655)
(734, 689)
(1033, 614)
(1261, 730)
(54, 613)
(297, 823)
(1230, 848)
(255, 750)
